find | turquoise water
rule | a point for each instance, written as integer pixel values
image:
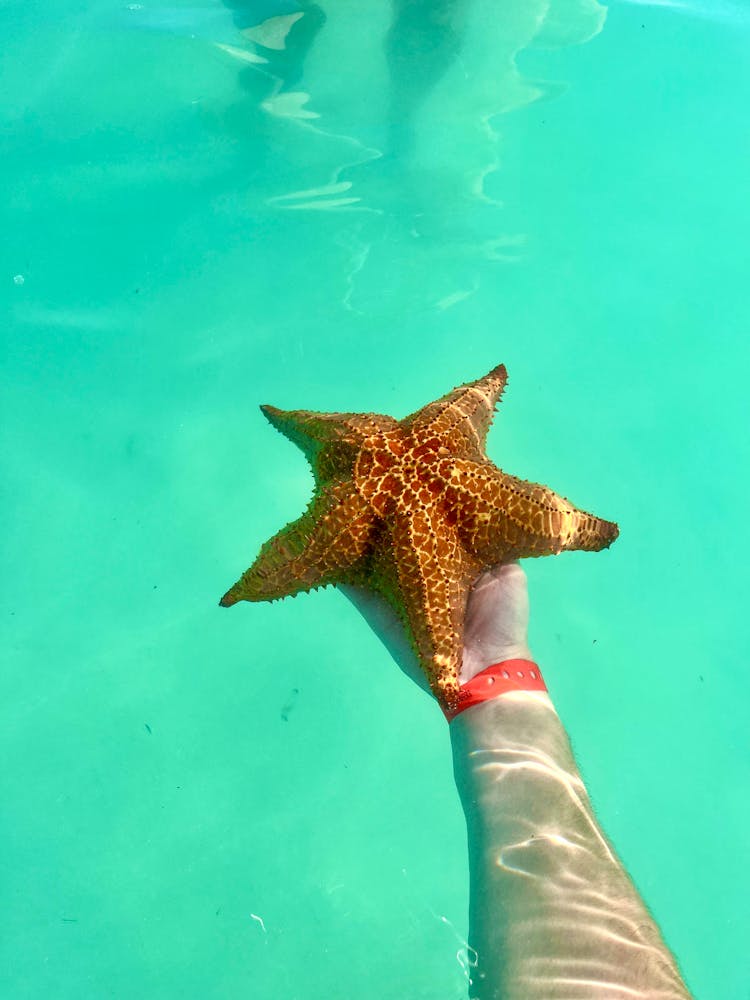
(255, 803)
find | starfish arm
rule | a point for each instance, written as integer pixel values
(434, 578)
(313, 551)
(330, 441)
(501, 517)
(462, 418)
(310, 431)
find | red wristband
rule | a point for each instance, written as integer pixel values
(510, 675)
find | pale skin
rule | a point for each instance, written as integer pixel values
(553, 913)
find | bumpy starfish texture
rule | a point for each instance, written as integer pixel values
(414, 510)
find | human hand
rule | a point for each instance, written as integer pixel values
(497, 619)
(496, 623)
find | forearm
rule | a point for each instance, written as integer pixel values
(553, 914)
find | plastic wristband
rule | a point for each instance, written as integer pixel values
(510, 675)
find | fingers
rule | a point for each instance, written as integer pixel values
(385, 623)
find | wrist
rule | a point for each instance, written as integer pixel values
(481, 655)
(512, 719)
(513, 675)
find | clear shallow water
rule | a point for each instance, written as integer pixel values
(173, 771)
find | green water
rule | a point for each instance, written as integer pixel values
(200, 803)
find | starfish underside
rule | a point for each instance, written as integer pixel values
(414, 510)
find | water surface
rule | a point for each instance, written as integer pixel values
(201, 803)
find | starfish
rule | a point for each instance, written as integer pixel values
(414, 510)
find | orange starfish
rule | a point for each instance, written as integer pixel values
(414, 510)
